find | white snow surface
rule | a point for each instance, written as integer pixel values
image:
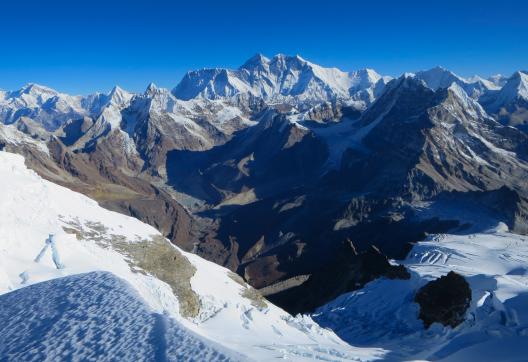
(52, 108)
(11, 135)
(383, 314)
(94, 317)
(32, 208)
(516, 88)
(438, 77)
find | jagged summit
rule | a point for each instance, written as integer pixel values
(515, 90)
(119, 96)
(151, 88)
(440, 77)
(34, 88)
(255, 61)
(283, 78)
(517, 85)
(498, 79)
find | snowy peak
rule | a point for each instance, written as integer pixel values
(119, 96)
(38, 91)
(110, 113)
(498, 80)
(516, 86)
(404, 83)
(465, 103)
(281, 79)
(367, 75)
(210, 84)
(459, 92)
(514, 91)
(258, 60)
(32, 95)
(42, 104)
(52, 109)
(151, 89)
(439, 77)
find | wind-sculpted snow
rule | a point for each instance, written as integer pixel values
(383, 314)
(94, 317)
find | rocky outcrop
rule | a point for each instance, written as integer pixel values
(350, 270)
(444, 300)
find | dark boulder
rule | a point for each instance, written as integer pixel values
(444, 300)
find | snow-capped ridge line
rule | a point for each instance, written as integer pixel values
(282, 78)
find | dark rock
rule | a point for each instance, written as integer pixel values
(444, 300)
(349, 271)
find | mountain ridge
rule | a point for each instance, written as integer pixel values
(194, 168)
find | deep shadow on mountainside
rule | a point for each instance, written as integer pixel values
(305, 204)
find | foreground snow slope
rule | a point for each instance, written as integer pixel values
(201, 296)
(496, 328)
(120, 325)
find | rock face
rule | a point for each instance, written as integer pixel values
(444, 300)
(349, 271)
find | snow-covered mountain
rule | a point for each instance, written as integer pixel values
(498, 79)
(515, 89)
(52, 108)
(509, 104)
(173, 292)
(439, 77)
(282, 79)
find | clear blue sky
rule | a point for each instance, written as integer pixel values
(83, 46)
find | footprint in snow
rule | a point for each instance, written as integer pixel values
(55, 256)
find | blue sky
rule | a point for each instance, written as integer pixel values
(84, 46)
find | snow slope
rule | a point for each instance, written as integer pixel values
(514, 90)
(87, 238)
(438, 77)
(383, 314)
(94, 317)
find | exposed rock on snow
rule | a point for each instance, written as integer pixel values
(352, 269)
(444, 300)
(494, 265)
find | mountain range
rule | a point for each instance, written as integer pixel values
(310, 184)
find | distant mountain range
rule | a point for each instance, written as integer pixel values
(281, 79)
(306, 181)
